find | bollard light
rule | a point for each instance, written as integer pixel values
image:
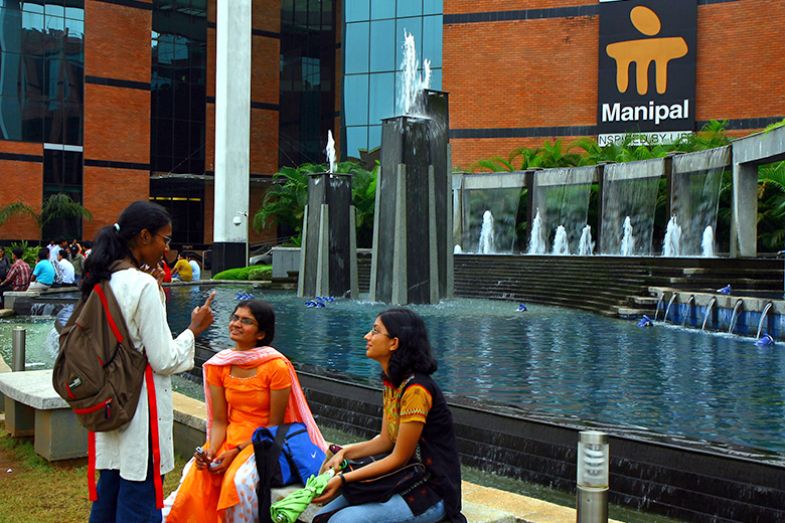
(593, 460)
(18, 354)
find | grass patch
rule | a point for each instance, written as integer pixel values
(254, 272)
(35, 490)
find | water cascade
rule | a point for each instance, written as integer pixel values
(707, 243)
(671, 245)
(630, 193)
(502, 203)
(410, 100)
(486, 235)
(695, 190)
(586, 245)
(627, 247)
(536, 240)
(560, 245)
(330, 151)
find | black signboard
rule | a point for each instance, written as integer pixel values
(647, 68)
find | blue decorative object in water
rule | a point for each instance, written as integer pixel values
(243, 296)
(522, 307)
(645, 322)
(315, 304)
(765, 341)
(725, 290)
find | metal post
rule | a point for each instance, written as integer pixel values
(18, 355)
(593, 458)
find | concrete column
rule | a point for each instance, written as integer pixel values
(744, 211)
(232, 133)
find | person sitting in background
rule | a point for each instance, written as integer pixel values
(44, 273)
(66, 273)
(196, 271)
(18, 277)
(182, 270)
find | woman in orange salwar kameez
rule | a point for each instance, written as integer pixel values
(246, 387)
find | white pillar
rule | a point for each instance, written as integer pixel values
(232, 133)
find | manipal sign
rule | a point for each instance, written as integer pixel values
(647, 69)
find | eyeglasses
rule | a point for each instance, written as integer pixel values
(167, 239)
(375, 331)
(242, 319)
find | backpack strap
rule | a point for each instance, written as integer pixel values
(91, 490)
(152, 407)
(267, 454)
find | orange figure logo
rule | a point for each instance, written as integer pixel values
(645, 51)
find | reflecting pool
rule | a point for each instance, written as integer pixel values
(549, 361)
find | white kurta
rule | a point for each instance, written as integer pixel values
(144, 310)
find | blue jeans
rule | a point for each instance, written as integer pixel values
(394, 510)
(124, 501)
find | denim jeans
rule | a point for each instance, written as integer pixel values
(394, 510)
(124, 501)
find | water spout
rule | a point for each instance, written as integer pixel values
(330, 151)
(690, 306)
(560, 244)
(734, 316)
(659, 303)
(627, 239)
(668, 308)
(763, 314)
(536, 241)
(709, 308)
(586, 245)
(487, 245)
(671, 245)
(707, 243)
(410, 99)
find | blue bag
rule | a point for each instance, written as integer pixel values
(284, 455)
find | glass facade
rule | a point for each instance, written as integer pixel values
(373, 51)
(62, 174)
(42, 71)
(307, 91)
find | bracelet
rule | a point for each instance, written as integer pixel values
(343, 478)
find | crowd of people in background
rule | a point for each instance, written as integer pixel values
(61, 264)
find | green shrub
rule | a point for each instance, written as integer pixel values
(30, 252)
(254, 272)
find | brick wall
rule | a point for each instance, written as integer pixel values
(523, 74)
(21, 165)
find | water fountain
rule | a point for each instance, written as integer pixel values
(586, 245)
(328, 259)
(487, 245)
(414, 262)
(560, 245)
(627, 247)
(707, 243)
(536, 239)
(671, 245)
(694, 198)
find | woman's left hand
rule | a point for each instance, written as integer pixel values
(222, 461)
(330, 491)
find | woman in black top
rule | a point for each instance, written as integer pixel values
(416, 419)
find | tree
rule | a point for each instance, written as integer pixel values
(57, 206)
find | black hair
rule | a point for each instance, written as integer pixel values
(43, 253)
(414, 352)
(264, 315)
(18, 252)
(63, 253)
(112, 244)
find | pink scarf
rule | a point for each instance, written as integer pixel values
(255, 357)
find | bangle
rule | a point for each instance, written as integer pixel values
(343, 478)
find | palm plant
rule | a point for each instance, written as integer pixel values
(16, 208)
(60, 206)
(286, 199)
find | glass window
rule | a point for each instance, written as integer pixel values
(374, 136)
(409, 8)
(32, 21)
(74, 28)
(355, 99)
(356, 48)
(357, 10)
(356, 139)
(33, 6)
(382, 9)
(55, 25)
(432, 40)
(12, 41)
(436, 79)
(383, 45)
(10, 64)
(75, 13)
(432, 7)
(10, 118)
(382, 98)
(412, 26)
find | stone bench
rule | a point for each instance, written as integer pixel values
(33, 408)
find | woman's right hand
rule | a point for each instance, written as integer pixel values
(334, 462)
(202, 317)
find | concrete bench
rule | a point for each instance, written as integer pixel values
(33, 408)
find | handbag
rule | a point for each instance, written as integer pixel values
(382, 488)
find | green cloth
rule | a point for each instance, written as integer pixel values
(288, 509)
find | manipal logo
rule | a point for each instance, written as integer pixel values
(642, 52)
(645, 51)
